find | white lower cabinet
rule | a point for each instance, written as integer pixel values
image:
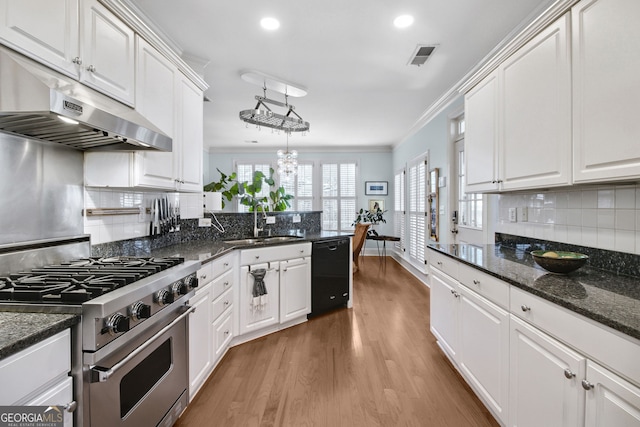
(259, 312)
(287, 280)
(474, 333)
(545, 380)
(212, 319)
(611, 400)
(39, 375)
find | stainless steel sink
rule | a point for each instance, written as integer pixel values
(280, 238)
(244, 241)
(258, 240)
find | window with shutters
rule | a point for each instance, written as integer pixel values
(338, 196)
(399, 209)
(417, 206)
(301, 187)
(245, 173)
(469, 204)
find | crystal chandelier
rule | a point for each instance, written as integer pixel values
(287, 162)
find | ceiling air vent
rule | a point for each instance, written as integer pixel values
(421, 54)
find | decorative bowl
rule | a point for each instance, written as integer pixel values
(559, 261)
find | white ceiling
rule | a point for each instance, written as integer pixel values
(348, 54)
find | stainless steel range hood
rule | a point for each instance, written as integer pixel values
(38, 102)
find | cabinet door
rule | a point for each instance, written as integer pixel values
(200, 339)
(535, 145)
(545, 380)
(255, 315)
(60, 394)
(295, 289)
(444, 312)
(108, 52)
(155, 81)
(612, 401)
(606, 90)
(46, 30)
(189, 136)
(481, 135)
(222, 334)
(484, 350)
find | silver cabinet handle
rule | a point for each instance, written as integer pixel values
(476, 282)
(71, 406)
(102, 374)
(226, 284)
(525, 308)
(203, 277)
(455, 294)
(439, 263)
(226, 332)
(226, 303)
(257, 256)
(226, 264)
(569, 374)
(587, 385)
(91, 69)
(77, 60)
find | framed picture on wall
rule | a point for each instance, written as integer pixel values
(376, 188)
(374, 205)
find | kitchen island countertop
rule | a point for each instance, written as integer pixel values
(19, 330)
(608, 298)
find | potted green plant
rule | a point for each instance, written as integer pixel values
(371, 217)
(227, 185)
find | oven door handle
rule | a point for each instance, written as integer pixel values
(101, 374)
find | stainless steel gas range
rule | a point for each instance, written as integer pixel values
(130, 350)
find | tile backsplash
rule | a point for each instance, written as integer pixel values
(109, 228)
(605, 217)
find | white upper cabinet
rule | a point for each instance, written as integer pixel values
(518, 118)
(155, 99)
(189, 135)
(44, 29)
(481, 135)
(81, 39)
(107, 49)
(535, 144)
(606, 90)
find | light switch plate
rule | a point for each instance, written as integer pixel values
(271, 220)
(523, 214)
(204, 222)
(296, 218)
(513, 216)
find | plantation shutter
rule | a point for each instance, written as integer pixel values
(417, 211)
(399, 210)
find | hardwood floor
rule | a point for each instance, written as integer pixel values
(374, 365)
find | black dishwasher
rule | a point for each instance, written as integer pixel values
(329, 275)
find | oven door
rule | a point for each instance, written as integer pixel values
(143, 383)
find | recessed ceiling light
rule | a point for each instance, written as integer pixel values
(270, 23)
(403, 21)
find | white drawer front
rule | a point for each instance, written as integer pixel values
(221, 265)
(275, 253)
(34, 367)
(205, 274)
(221, 304)
(443, 263)
(223, 332)
(492, 288)
(222, 283)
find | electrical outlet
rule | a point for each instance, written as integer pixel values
(271, 220)
(523, 214)
(513, 216)
(296, 218)
(204, 222)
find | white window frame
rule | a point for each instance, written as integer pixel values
(469, 205)
(399, 208)
(341, 214)
(417, 186)
(292, 187)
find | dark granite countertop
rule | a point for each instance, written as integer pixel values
(208, 250)
(608, 298)
(19, 330)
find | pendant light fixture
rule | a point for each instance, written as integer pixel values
(287, 162)
(262, 115)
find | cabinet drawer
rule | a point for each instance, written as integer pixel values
(222, 283)
(60, 394)
(443, 263)
(221, 265)
(205, 274)
(222, 334)
(275, 253)
(221, 304)
(495, 290)
(34, 367)
(613, 349)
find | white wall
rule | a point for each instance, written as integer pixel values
(372, 166)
